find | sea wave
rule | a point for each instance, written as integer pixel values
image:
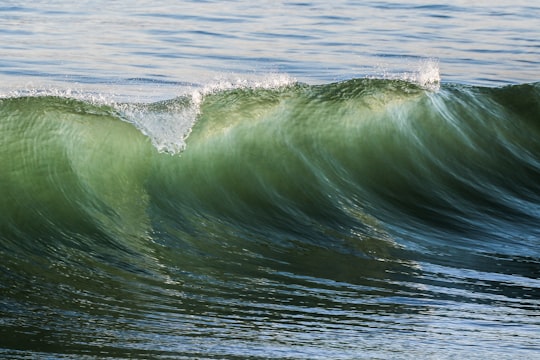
(313, 194)
(294, 151)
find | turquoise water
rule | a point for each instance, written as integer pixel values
(295, 180)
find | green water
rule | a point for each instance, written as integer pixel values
(354, 219)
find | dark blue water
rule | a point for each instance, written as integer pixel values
(296, 180)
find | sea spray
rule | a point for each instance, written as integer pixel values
(169, 123)
(424, 72)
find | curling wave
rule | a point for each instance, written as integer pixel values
(386, 182)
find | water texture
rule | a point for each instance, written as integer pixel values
(295, 180)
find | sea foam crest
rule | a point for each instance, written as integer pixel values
(94, 98)
(169, 123)
(425, 73)
(224, 83)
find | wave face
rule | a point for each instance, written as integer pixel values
(326, 221)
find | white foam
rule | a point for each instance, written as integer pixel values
(427, 74)
(91, 97)
(169, 123)
(230, 82)
(167, 126)
(424, 72)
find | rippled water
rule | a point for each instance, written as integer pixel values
(156, 48)
(299, 180)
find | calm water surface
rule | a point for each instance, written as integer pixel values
(156, 48)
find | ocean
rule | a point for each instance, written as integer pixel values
(271, 180)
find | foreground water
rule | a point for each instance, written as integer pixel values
(286, 180)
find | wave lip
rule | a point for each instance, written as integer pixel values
(169, 123)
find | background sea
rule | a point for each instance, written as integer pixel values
(258, 180)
